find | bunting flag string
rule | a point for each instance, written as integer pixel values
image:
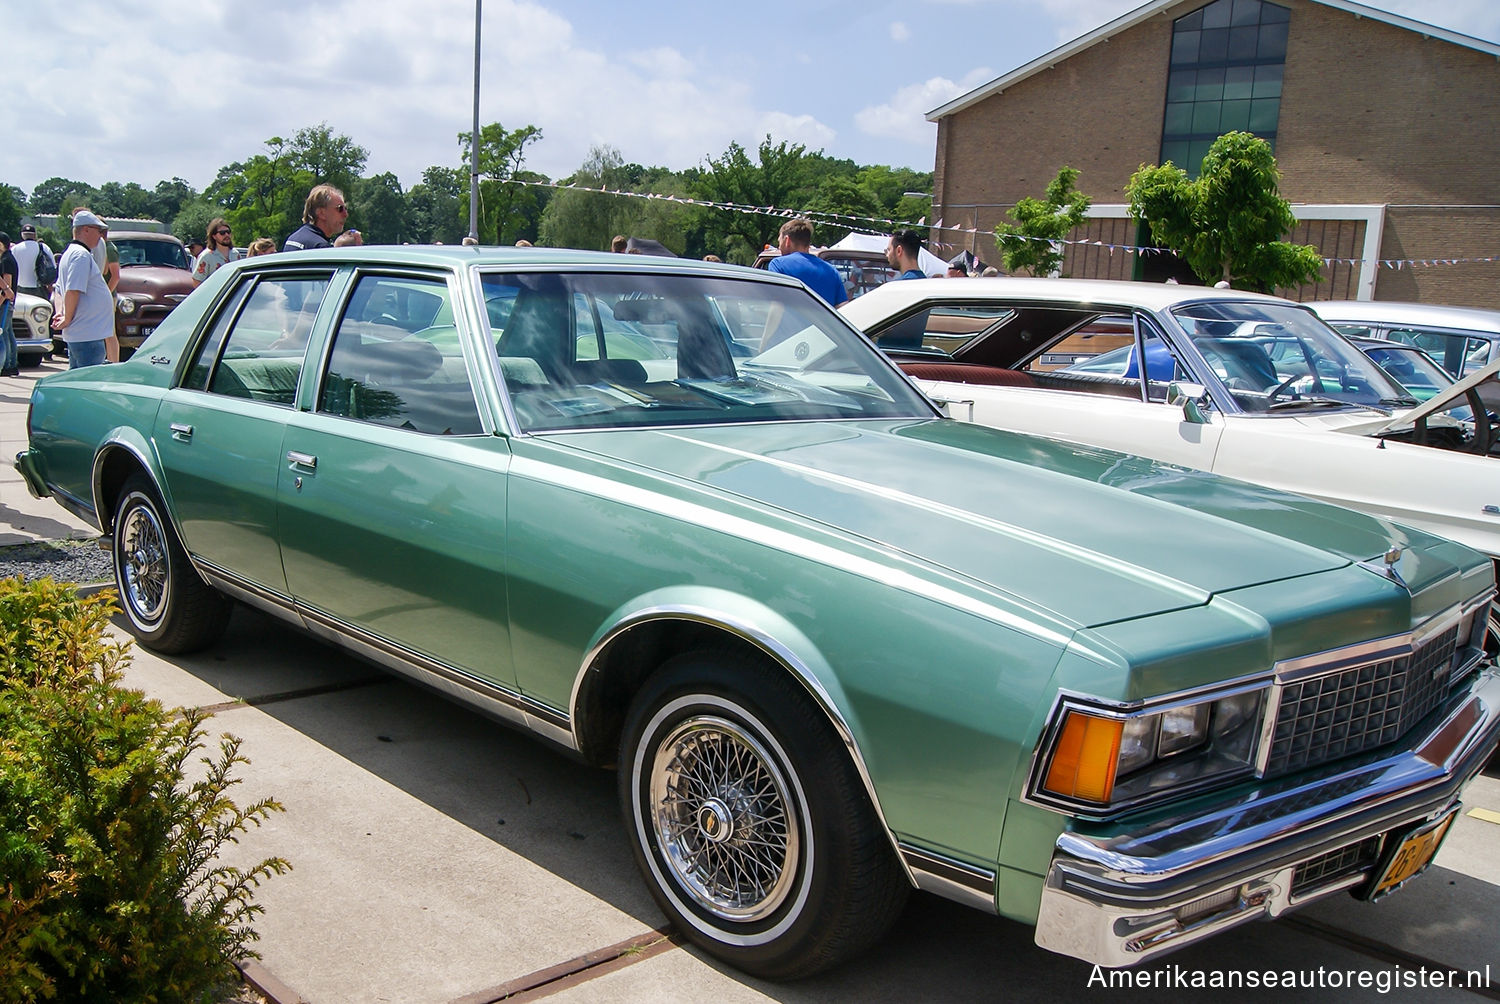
(875, 225)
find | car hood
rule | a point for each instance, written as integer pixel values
(1096, 536)
(156, 280)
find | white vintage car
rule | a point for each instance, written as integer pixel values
(1249, 386)
(31, 322)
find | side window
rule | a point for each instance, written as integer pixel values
(1162, 366)
(1447, 349)
(586, 334)
(260, 355)
(941, 328)
(208, 349)
(391, 366)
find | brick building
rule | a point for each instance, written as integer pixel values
(1386, 131)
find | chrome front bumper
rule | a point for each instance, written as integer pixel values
(1118, 899)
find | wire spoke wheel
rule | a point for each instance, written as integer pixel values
(144, 563)
(720, 810)
(170, 607)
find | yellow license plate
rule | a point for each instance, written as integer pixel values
(1414, 854)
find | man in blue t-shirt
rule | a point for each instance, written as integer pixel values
(798, 261)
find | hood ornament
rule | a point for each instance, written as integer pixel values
(1387, 566)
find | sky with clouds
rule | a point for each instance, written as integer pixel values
(137, 91)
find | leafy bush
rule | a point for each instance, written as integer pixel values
(109, 890)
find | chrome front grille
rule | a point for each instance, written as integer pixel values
(1349, 710)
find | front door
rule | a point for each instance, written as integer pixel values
(392, 497)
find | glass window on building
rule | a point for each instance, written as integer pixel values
(1227, 60)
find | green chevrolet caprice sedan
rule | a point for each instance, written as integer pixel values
(683, 520)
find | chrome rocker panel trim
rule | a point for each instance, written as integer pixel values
(1116, 900)
(484, 695)
(950, 879)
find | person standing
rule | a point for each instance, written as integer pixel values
(26, 252)
(904, 253)
(87, 319)
(260, 246)
(323, 216)
(9, 364)
(220, 250)
(797, 260)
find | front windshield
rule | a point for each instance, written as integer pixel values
(579, 351)
(1279, 357)
(139, 251)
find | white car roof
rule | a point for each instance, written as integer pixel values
(1427, 315)
(892, 297)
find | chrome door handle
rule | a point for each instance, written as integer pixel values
(302, 460)
(181, 433)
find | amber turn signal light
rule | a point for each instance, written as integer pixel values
(1085, 758)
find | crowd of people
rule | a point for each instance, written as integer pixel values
(81, 281)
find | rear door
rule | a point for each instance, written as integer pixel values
(219, 432)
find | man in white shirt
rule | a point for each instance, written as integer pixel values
(87, 320)
(25, 251)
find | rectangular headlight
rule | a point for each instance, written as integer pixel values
(1100, 758)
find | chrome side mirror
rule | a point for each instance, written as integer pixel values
(1188, 396)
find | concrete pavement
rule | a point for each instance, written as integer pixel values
(440, 857)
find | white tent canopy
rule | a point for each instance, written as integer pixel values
(930, 262)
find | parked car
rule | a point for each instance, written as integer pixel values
(836, 645)
(861, 270)
(1461, 339)
(155, 276)
(1264, 392)
(31, 323)
(1416, 371)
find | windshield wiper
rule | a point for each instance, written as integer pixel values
(1322, 402)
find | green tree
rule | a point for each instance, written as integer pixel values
(1029, 245)
(1229, 223)
(169, 197)
(589, 219)
(382, 208)
(129, 200)
(260, 197)
(778, 178)
(47, 198)
(10, 210)
(437, 207)
(191, 222)
(330, 158)
(841, 204)
(502, 153)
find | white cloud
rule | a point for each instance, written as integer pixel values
(904, 116)
(899, 31)
(195, 87)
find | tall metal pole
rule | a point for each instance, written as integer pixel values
(474, 138)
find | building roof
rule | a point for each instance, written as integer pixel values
(1129, 20)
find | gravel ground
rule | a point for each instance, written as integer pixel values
(79, 561)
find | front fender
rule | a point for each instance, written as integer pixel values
(747, 619)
